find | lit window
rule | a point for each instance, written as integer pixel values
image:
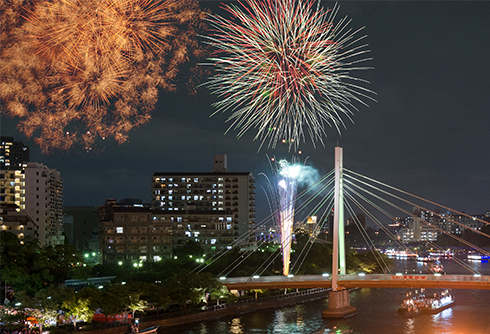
(213, 241)
(119, 230)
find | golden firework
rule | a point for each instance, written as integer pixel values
(78, 70)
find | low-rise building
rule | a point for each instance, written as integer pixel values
(17, 222)
(130, 234)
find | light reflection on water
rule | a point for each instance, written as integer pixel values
(377, 313)
(236, 326)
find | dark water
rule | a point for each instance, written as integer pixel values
(377, 313)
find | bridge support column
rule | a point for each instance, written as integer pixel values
(339, 305)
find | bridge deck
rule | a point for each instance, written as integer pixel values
(357, 281)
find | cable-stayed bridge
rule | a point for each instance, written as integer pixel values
(344, 189)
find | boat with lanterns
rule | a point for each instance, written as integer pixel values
(421, 303)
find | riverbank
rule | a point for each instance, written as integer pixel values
(220, 311)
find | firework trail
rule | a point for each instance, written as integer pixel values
(282, 64)
(78, 70)
(282, 199)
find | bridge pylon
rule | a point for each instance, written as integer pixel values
(339, 298)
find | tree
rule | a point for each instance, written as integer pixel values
(44, 306)
(50, 300)
(191, 248)
(81, 306)
(24, 266)
(111, 299)
(28, 267)
(157, 295)
(134, 301)
(12, 317)
(183, 289)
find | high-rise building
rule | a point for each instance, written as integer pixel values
(14, 155)
(214, 209)
(12, 188)
(44, 202)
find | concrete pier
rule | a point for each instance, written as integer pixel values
(339, 305)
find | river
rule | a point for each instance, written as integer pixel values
(377, 313)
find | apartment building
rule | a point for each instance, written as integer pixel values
(215, 209)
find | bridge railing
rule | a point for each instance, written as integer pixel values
(358, 277)
(425, 277)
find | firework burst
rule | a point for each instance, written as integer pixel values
(282, 64)
(77, 71)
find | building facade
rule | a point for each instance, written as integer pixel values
(44, 202)
(215, 209)
(12, 188)
(17, 222)
(81, 227)
(14, 155)
(130, 234)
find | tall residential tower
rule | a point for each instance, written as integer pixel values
(44, 202)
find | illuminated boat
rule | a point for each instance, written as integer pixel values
(420, 303)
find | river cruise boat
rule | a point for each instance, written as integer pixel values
(420, 303)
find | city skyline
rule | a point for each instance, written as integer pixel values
(427, 134)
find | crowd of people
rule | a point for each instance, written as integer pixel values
(33, 330)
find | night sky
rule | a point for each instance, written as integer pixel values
(428, 133)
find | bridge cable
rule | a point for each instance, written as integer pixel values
(408, 213)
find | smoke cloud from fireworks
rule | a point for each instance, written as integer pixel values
(283, 67)
(76, 71)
